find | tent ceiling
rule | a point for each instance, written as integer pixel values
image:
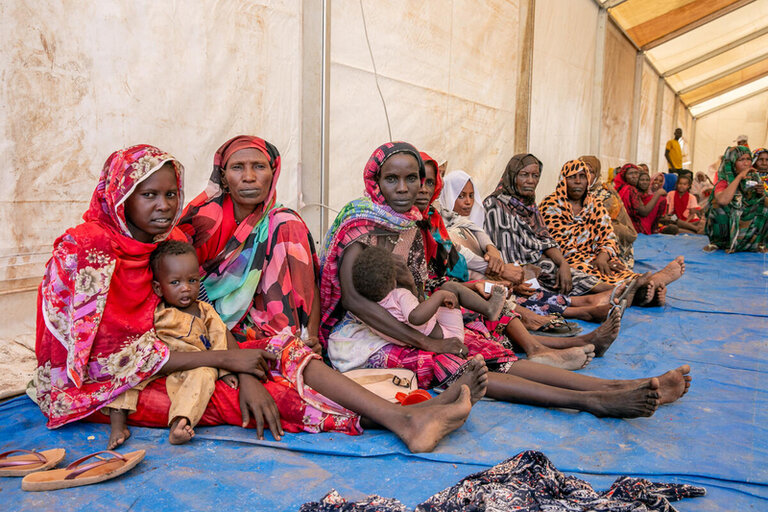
(706, 49)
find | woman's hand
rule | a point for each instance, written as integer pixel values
(249, 360)
(495, 263)
(512, 273)
(257, 403)
(564, 278)
(451, 346)
(524, 290)
(313, 342)
(661, 192)
(601, 264)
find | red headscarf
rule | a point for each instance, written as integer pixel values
(431, 215)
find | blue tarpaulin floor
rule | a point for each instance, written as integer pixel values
(716, 319)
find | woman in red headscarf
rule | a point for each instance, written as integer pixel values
(644, 209)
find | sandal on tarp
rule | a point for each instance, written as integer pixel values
(557, 326)
(75, 475)
(414, 397)
(30, 461)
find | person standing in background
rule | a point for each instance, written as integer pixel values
(674, 153)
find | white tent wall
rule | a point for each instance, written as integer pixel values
(448, 73)
(716, 131)
(618, 97)
(648, 92)
(667, 128)
(179, 75)
(561, 96)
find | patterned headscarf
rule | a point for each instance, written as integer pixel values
(756, 154)
(507, 184)
(558, 200)
(358, 218)
(727, 171)
(121, 174)
(594, 163)
(231, 278)
(95, 322)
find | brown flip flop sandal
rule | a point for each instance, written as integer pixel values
(76, 475)
(31, 461)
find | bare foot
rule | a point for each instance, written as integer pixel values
(496, 302)
(574, 358)
(119, 432)
(674, 384)
(661, 295)
(475, 377)
(180, 432)
(672, 272)
(642, 400)
(531, 321)
(606, 334)
(424, 427)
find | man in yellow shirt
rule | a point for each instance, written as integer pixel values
(674, 153)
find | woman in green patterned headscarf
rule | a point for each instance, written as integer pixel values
(737, 219)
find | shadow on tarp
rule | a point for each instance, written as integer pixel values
(715, 436)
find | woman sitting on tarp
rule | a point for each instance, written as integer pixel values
(737, 219)
(605, 194)
(95, 335)
(583, 230)
(644, 209)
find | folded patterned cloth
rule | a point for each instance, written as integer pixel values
(527, 482)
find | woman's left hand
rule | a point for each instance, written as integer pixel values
(495, 263)
(313, 342)
(256, 402)
(601, 263)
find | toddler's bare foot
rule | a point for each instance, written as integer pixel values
(606, 334)
(674, 384)
(425, 426)
(119, 432)
(475, 377)
(181, 432)
(496, 302)
(642, 400)
(574, 358)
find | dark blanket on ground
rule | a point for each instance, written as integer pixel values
(527, 482)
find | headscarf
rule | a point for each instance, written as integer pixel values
(506, 209)
(507, 184)
(581, 237)
(594, 163)
(232, 265)
(455, 181)
(436, 234)
(763, 176)
(95, 336)
(727, 172)
(358, 218)
(620, 181)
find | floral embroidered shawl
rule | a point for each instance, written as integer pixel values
(245, 265)
(358, 218)
(95, 335)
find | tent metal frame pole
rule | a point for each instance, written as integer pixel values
(657, 123)
(597, 84)
(693, 142)
(723, 74)
(728, 89)
(525, 78)
(636, 104)
(325, 133)
(715, 53)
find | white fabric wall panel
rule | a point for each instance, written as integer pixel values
(667, 128)
(563, 71)
(716, 131)
(182, 76)
(648, 91)
(448, 72)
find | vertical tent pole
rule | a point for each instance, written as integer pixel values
(524, 79)
(597, 84)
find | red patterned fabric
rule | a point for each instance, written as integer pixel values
(95, 336)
